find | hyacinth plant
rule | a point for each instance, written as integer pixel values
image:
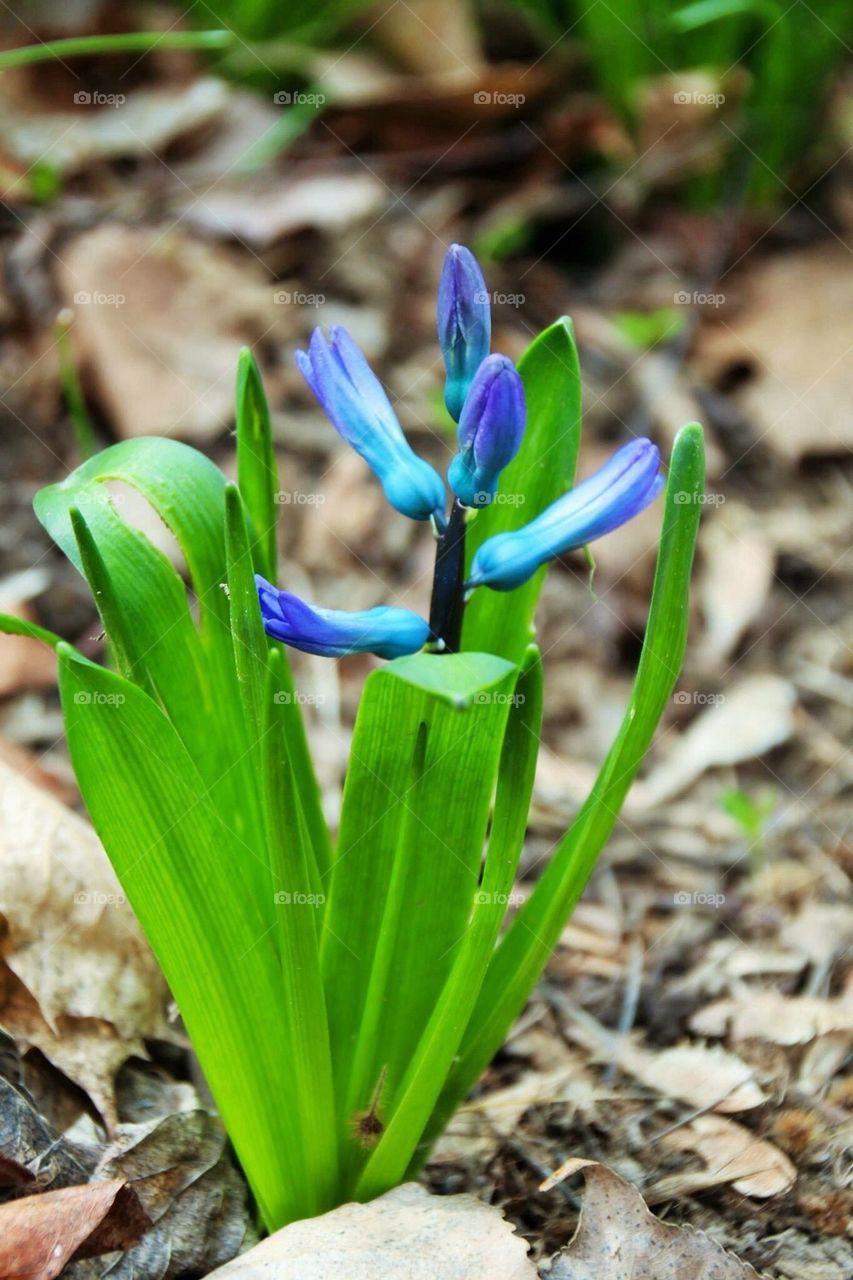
(343, 995)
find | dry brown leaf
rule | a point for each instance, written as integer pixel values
(820, 931)
(618, 1238)
(133, 124)
(733, 1154)
(798, 398)
(406, 1232)
(89, 987)
(704, 1076)
(479, 1125)
(159, 322)
(747, 720)
(180, 1166)
(738, 563)
(774, 1017)
(40, 1234)
(329, 202)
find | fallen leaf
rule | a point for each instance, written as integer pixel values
(774, 1017)
(181, 1169)
(733, 1154)
(820, 931)
(478, 1125)
(41, 1233)
(797, 394)
(30, 1147)
(738, 562)
(705, 1076)
(405, 1233)
(259, 215)
(618, 1238)
(140, 123)
(88, 988)
(747, 720)
(159, 322)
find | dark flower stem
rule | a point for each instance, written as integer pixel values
(448, 585)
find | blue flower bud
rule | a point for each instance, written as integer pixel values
(355, 402)
(332, 633)
(490, 431)
(464, 324)
(614, 494)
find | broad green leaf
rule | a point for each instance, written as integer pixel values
(191, 668)
(427, 1070)
(502, 622)
(298, 899)
(524, 950)
(415, 810)
(257, 470)
(178, 863)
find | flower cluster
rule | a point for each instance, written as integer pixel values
(485, 397)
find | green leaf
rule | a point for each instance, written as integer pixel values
(439, 1043)
(527, 945)
(415, 810)
(179, 864)
(12, 626)
(257, 470)
(190, 667)
(502, 622)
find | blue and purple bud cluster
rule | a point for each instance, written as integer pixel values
(485, 396)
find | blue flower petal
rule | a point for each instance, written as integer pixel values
(332, 633)
(355, 402)
(614, 494)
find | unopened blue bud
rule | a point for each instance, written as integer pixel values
(614, 494)
(490, 431)
(333, 633)
(464, 324)
(355, 402)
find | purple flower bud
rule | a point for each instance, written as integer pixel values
(332, 633)
(490, 431)
(614, 494)
(464, 324)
